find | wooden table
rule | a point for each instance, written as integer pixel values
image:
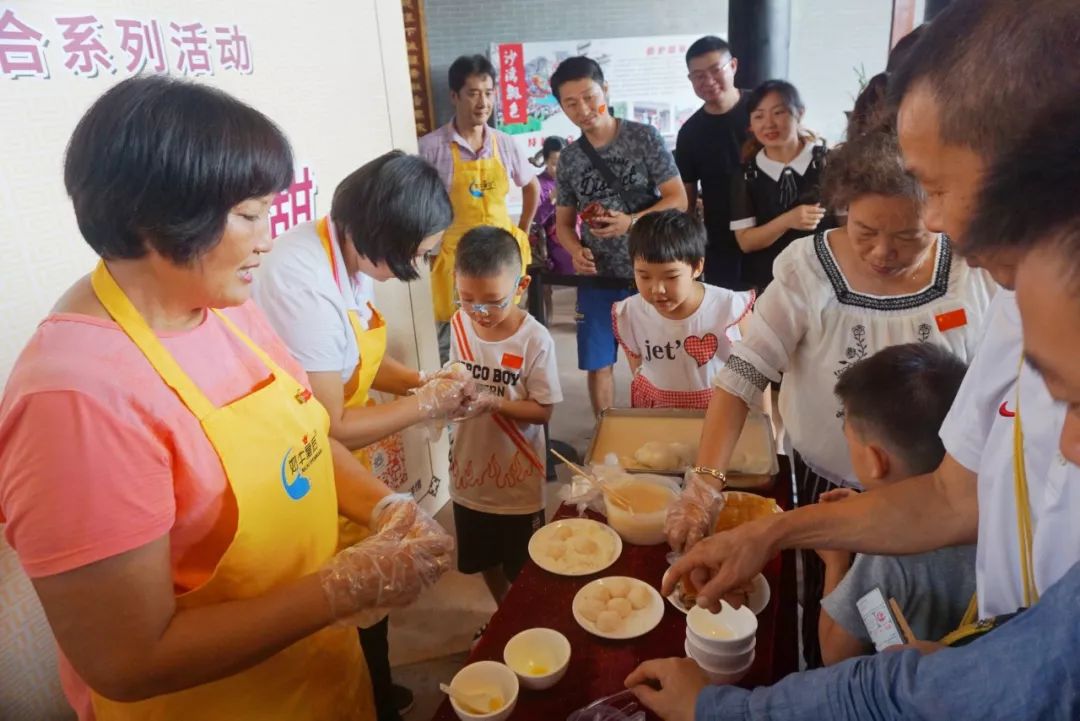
(599, 666)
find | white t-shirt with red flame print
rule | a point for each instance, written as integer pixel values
(498, 465)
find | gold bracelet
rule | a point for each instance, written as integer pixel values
(706, 471)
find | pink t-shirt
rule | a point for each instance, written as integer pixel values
(99, 457)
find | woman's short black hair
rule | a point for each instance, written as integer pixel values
(668, 236)
(158, 163)
(387, 207)
(465, 67)
(487, 251)
(868, 164)
(578, 67)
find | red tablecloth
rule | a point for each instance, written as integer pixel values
(599, 666)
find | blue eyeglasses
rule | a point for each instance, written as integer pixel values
(489, 308)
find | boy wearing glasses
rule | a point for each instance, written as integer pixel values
(498, 457)
(708, 152)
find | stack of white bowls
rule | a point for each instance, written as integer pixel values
(722, 643)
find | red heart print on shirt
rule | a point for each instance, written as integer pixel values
(701, 349)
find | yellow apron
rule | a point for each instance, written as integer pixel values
(478, 195)
(371, 343)
(274, 447)
(970, 625)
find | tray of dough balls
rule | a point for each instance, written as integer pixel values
(665, 441)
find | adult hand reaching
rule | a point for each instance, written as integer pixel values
(689, 518)
(725, 562)
(669, 687)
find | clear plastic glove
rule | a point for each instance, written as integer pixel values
(478, 406)
(390, 568)
(690, 517)
(440, 398)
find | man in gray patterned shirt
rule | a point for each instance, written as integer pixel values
(626, 154)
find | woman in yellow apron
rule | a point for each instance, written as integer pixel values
(167, 478)
(316, 288)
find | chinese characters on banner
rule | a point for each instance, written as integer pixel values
(513, 92)
(294, 205)
(90, 47)
(412, 12)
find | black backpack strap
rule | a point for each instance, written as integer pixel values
(605, 171)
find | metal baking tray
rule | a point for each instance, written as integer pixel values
(623, 430)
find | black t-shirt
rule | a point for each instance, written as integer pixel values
(708, 150)
(756, 198)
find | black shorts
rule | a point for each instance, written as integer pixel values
(487, 540)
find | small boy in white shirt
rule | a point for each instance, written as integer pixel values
(894, 403)
(498, 459)
(677, 332)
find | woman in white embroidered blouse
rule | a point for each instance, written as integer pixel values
(880, 279)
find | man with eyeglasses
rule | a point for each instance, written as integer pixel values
(708, 152)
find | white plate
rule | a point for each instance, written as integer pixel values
(578, 525)
(638, 623)
(759, 597)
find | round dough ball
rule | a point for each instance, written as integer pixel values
(639, 597)
(563, 532)
(608, 621)
(598, 593)
(590, 608)
(619, 587)
(585, 546)
(556, 550)
(620, 606)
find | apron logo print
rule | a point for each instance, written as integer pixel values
(477, 188)
(294, 465)
(303, 396)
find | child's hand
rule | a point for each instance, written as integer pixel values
(837, 494)
(835, 559)
(478, 406)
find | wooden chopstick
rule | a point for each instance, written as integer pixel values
(905, 629)
(604, 487)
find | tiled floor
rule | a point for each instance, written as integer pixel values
(429, 641)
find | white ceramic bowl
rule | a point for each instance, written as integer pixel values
(728, 632)
(723, 677)
(720, 661)
(489, 677)
(539, 657)
(641, 529)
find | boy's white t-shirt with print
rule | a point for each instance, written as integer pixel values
(498, 465)
(679, 358)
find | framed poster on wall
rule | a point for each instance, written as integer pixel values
(646, 78)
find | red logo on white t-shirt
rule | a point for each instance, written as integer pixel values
(1004, 411)
(702, 348)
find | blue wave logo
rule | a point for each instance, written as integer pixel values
(299, 486)
(475, 191)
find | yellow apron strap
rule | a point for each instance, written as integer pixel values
(262, 355)
(121, 309)
(1023, 506)
(969, 625)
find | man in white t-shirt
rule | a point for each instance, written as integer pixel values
(945, 93)
(498, 460)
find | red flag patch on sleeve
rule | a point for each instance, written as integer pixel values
(953, 319)
(509, 360)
